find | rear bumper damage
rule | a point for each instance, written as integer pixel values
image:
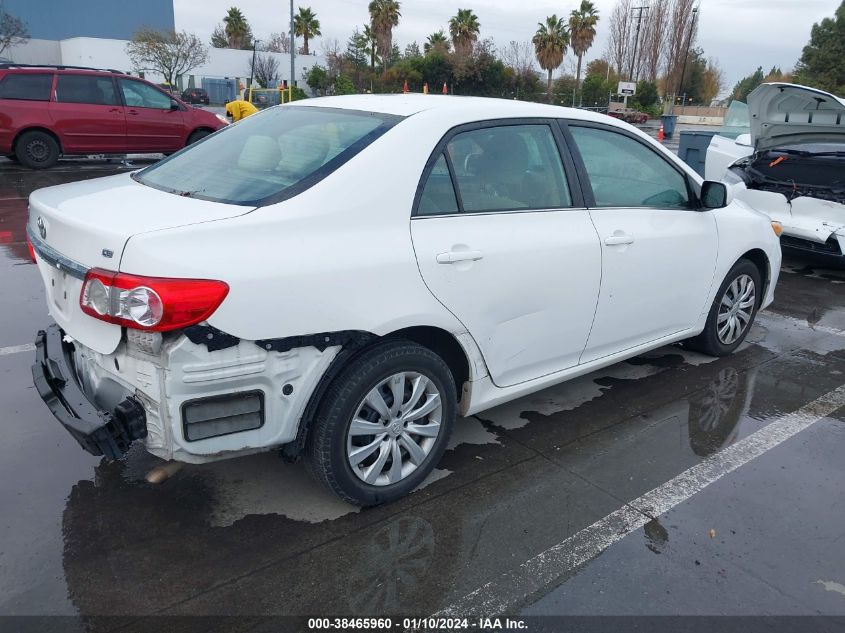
(187, 401)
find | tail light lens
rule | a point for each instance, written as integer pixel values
(31, 250)
(160, 304)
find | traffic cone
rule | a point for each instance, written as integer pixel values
(660, 134)
(425, 88)
(405, 87)
(445, 89)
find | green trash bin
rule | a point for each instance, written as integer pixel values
(669, 121)
(692, 148)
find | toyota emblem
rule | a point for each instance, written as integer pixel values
(42, 228)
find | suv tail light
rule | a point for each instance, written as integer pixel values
(160, 304)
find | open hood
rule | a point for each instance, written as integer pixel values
(788, 113)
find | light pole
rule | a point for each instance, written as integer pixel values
(252, 69)
(292, 52)
(639, 11)
(686, 53)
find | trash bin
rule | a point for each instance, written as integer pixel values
(669, 121)
(692, 148)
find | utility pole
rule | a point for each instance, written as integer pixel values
(292, 52)
(252, 69)
(686, 53)
(639, 11)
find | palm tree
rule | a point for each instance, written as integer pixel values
(582, 29)
(306, 25)
(550, 42)
(371, 44)
(436, 42)
(464, 28)
(384, 15)
(238, 31)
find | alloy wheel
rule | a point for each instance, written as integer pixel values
(735, 309)
(394, 428)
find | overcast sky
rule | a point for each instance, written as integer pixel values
(741, 34)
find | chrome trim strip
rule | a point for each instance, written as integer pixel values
(54, 257)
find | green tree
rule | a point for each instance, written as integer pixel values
(464, 29)
(745, 85)
(595, 90)
(237, 30)
(344, 86)
(436, 42)
(384, 16)
(306, 25)
(582, 30)
(412, 50)
(550, 43)
(647, 95)
(822, 63)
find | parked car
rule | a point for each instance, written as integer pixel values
(790, 165)
(48, 112)
(629, 115)
(340, 278)
(195, 95)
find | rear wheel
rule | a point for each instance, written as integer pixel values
(732, 312)
(197, 136)
(383, 424)
(37, 150)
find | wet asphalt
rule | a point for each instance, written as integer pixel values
(254, 536)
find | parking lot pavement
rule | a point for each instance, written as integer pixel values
(672, 483)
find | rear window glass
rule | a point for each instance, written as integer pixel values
(92, 89)
(26, 86)
(269, 156)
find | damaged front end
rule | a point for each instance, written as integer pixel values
(802, 187)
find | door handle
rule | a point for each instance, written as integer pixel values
(115, 110)
(453, 257)
(622, 238)
(134, 112)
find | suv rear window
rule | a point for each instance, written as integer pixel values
(26, 86)
(268, 157)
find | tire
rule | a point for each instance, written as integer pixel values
(197, 136)
(715, 343)
(359, 466)
(37, 150)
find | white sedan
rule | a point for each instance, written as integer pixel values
(340, 278)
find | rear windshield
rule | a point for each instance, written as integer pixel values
(268, 157)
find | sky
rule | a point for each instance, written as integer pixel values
(740, 34)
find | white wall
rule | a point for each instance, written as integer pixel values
(103, 53)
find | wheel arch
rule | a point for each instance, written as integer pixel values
(199, 128)
(37, 128)
(759, 258)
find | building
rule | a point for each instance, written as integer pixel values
(95, 33)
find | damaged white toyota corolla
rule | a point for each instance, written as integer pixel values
(340, 278)
(791, 166)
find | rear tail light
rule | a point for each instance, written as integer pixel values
(30, 249)
(160, 304)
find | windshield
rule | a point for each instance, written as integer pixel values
(268, 157)
(737, 120)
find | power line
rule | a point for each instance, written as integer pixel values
(639, 19)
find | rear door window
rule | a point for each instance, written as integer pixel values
(26, 86)
(97, 90)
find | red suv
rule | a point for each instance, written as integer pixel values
(50, 111)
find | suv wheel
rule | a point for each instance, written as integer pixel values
(732, 312)
(37, 150)
(383, 424)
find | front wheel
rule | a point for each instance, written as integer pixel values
(383, 424)
(732, 312)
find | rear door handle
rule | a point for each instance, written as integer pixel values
(453, 257)
(132, 112)
(617, 239)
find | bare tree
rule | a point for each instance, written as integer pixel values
(266, 70)
(12, 31)
(620, 30)
(519, 56)
(653, 40)
(680, 37)
(166, 52)
(278, 43)
(713, 81)
(330, 49)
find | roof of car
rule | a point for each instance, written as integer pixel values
(476, 108)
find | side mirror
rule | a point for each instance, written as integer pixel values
(174, 105)
(714, 195)
(744, 140)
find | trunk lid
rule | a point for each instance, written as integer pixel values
(86, 224)
(786, 113)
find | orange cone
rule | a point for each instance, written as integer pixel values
(425, 88)
(445, 89)
(405, 88)
(660, 134)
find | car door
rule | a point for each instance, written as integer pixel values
(151, 124)
(504, 242)
(658, 249)
(87, 114)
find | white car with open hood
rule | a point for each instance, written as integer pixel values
(340, 278)
(791, 166)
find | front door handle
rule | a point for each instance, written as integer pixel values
(132, 112)
(619, 238)
(452, 257)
